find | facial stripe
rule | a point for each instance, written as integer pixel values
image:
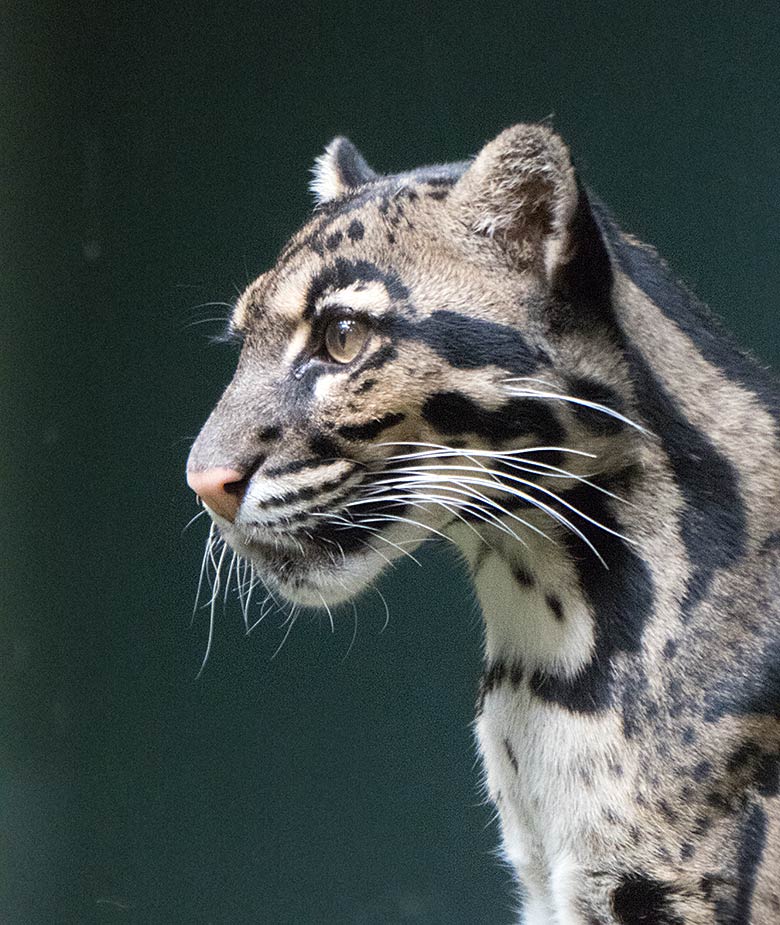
(456, 413)
(471, 343)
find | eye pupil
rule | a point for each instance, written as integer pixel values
(344, 339)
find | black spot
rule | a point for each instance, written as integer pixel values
(390, 237)
(689, 735)
(466, 342)
(269, 433)
(701, 771)
(438, 194)
(370, 429)
(356, 230)
(642, 900)
(555, 606)
(523, 577)
(511, 754)
(687, 851)
(666, 810)
(365, 386)
(333, 240)
(670, 649)
(456, 413)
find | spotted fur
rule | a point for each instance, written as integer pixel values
(537, 387)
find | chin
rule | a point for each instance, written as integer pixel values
(308, 570)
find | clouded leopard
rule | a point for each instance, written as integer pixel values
(476, 350)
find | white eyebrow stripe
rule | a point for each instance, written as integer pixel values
(360, 295)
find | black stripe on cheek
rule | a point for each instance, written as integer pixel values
(370, 429)
(306, 494)
(456, 413)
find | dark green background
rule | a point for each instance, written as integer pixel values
(154, 160)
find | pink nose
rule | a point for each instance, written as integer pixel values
(220, 489)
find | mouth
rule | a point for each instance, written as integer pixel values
(320, 559)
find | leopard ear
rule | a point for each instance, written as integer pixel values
(521, 191)
(339, 170)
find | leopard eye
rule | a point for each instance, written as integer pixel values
(345, 338)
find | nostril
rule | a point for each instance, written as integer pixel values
(237, 488)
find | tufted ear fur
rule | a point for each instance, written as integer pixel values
(521, 191)
(339, 170)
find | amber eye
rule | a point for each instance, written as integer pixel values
(344, 339)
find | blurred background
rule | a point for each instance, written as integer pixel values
(154, 159)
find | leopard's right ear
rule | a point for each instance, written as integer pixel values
(338, 171)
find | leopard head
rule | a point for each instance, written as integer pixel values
(434, 353)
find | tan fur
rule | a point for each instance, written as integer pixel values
(627, 716)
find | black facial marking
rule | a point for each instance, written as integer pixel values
(343, 273)
(523, 577)
(670, 649)
(456, 413)
(472, 343)
(355, 231)
(510, 753)
(269, 433)
(642, 900)
(365, 386)
(332, 241)
(325, 448)
(598, 393)
(370, 429)
(555, 606)
(438, 194)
